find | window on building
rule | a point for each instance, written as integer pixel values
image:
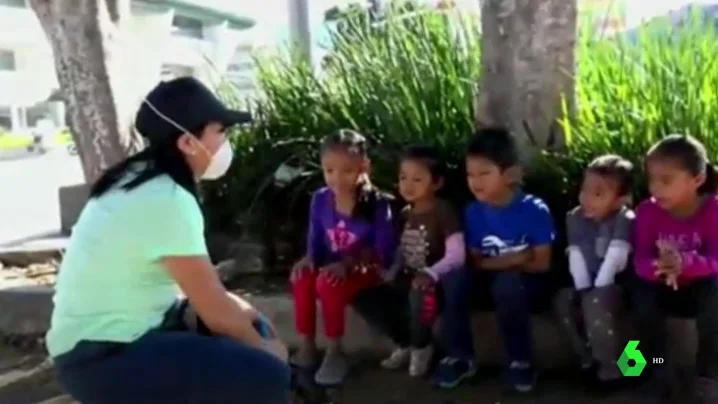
(7, 60)
(13, 3)
(187, 27)
(171, 71)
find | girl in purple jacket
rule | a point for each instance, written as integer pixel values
(351, 240)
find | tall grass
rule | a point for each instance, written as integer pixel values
(403, 81)
(634, 88)
(413, 80)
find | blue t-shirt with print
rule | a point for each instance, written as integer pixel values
(525, 222)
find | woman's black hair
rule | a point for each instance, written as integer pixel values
(691, 155)
(157, 159)
(429, 157)
(171, 109)
(367, 195)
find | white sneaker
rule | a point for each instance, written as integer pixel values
(398, 359)
(420, 359)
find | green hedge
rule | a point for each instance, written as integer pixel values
(413, 80)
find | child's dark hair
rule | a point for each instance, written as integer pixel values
(616, 168)
(355, 143)
(346, 140)
(429, 157)
(691, 155)
(496, 145)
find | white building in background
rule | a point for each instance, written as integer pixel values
(241, 71)
(166, 38)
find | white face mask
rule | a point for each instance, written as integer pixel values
(219, 161)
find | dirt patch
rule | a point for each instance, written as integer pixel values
(43, 273)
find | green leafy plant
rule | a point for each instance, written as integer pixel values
(401, 81)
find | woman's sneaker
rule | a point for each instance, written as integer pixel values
(420, 360)
(397, 360)
(522, 376)
(451, 372)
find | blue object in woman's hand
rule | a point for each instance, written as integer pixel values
(263, 328)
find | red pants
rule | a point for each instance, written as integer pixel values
(333, 297)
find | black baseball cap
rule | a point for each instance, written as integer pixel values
(183, 102)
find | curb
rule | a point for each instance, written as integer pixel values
(25, 310)
(33, 250)
(37, 384)
(13, 379)
(63, 399)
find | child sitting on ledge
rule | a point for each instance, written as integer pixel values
(599, 244)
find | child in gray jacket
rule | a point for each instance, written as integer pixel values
(599, 244)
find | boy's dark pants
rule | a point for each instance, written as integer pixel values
(399, 311)
(513, 294)
(599, 309)
(651, 301)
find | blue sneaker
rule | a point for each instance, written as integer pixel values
(452, 371)
(522, 376)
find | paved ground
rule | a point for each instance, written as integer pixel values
(372, 386)
(28, 193)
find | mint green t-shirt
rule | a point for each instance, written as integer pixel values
(111, 285)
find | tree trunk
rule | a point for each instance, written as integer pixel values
(528, 65)
(87, 45)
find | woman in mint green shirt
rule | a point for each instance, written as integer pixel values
(116, 335)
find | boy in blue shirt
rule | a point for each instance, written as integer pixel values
(508, 235)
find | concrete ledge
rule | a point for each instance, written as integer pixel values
(63, 399)
(550, 345)
(26, 311)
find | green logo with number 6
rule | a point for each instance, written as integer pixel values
(630, 352)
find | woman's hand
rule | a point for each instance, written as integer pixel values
(222, 312)
(277, 348)
(272, 343)
(302, 267)
(247, 308)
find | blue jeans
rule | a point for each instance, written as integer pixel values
(512, 294)
(173, 367)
